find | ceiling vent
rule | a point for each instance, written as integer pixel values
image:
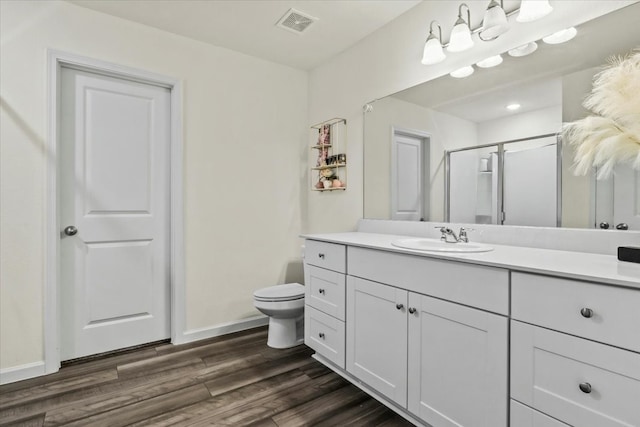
(296, 21)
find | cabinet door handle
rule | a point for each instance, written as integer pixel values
(399, 306)
(321, 291)
(586, 312)
(321, 335)
(412, 310)
(585, 387)
(321, 256)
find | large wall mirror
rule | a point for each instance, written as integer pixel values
(448, 149)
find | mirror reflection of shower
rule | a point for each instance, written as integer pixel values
(513, 183)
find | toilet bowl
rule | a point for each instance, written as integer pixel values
(284, 304)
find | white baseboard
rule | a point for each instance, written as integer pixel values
(22, 372)
(222, 329)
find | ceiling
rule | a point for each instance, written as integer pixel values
(249, 26)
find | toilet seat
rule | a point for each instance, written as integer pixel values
(288, 292)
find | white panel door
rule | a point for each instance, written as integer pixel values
(407, 194)
(626, 197)
(457, 364)
(114, 189)
(377, 337)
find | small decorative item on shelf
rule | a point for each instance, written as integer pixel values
(324, 135)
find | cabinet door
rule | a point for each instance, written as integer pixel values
(377, 337)
(457, 373)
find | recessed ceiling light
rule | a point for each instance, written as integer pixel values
(513, 107)
(561, 36)
(524, 50)
(489, 62)
(462, 72)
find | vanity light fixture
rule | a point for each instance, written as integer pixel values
(460, 39)
(433, 52)
(532, 10)
(561, 36)
(462, 72)
(524, 50)
(494, 23)
(513, 107)
(489, 62)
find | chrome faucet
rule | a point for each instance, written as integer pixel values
(448, 233)
(450, 236)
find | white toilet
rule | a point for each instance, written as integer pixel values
(284, 304)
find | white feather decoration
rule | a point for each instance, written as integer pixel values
(612, 135)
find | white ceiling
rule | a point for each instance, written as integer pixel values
(248, 26)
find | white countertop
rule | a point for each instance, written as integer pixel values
(574, 265)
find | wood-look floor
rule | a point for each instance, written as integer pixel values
(235, 380)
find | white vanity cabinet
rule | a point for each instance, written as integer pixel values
(574, 350)
(444, 362)
(377, 337)
(458, 358)
(475, 340)
(324, 314)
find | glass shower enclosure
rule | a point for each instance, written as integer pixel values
(514, 182)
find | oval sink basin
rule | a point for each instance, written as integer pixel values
(433, 245)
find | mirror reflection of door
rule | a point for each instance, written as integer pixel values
(619, 200)
(409, 168)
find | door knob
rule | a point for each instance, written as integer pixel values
(622, 226)
(604, 225)
(70, 230)
(412, 310)
(399, 306)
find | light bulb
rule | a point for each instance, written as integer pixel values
(489, 62)
(561, 36)
(433, 52)
(532, 10)
(462, 72)
(524, 50)
(494, 22)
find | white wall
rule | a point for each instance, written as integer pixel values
(447, 133)
(388, 61)
(245, 135)
(515, 126)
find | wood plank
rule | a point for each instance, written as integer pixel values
(226, 402)
(314, 411)
(147, 408)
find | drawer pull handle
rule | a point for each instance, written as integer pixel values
(321, 256)
(586, 312)
(585, 387)
(321, 291)
(321, 335)
(399, 306)
(412, 310)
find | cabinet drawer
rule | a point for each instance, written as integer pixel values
(324, 334)
(574, 380)
(325, 290)
(557, 303)
(482, 287)
(523, 416)
(326, 255)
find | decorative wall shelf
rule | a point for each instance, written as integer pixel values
(329, 155)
